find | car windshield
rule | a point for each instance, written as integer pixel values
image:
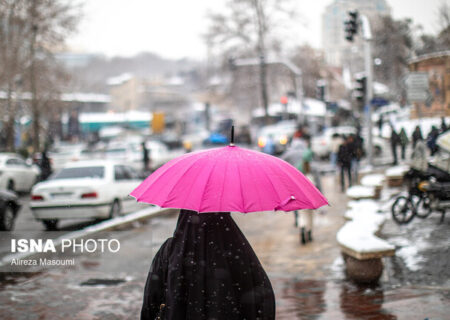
(80, 172)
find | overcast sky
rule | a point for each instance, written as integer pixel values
(173, 28)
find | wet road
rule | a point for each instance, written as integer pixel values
(309, 282)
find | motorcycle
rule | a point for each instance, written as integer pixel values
(428, 189)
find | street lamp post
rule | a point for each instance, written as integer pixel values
(367, 36)
(351, 28)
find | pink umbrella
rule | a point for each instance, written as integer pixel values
(229, 179)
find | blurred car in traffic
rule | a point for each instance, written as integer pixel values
(67, 152)
(132, 154)
(16, 174)
(9, 209)
(281, 133)
(96, 189)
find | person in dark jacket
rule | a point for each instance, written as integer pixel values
(416, 136)
(344, 160)
(207, 270)
(145, 158)
(432, 140)
(45, 165)
(395, 141)
(403, 138)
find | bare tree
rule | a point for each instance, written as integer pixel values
(248, 28)
(313, 67)
(12, 61)
(444, 23)
(393, 44)
(31, 32)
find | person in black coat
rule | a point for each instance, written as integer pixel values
(145, 158)
(432, 140)
(416, 136)
(45, 166)
(395, 142)
(344, 160)
(207, 270)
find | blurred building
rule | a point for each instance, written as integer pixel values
(437, 65)
(129, 92)
(335, 46)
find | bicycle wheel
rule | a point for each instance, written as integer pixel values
(423, 207)
(403, 210)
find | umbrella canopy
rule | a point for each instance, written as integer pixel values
(229, 179)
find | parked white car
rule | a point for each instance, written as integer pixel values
(97, 189)
(16, 174)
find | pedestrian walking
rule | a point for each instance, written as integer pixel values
(294, 155)
(145, 158)
(403, 142)
(432, 140)
(336, 142)
(416, 136)
(45, 165)
(357, 151)
(207, 270)
(345, 161)
(395, 141)
(380, 125)
(306, 216)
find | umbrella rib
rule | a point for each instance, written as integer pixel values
(299, 185)
(206, 184)
(169, 165)
(175, 183)
(271, 183)
(240, 185)
(223, 186)
(255, 187)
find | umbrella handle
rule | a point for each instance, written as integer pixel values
(285, 202)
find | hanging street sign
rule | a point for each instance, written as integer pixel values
(417, 86)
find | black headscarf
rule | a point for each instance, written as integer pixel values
(208, 270)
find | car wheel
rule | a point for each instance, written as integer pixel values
(50, 225)
(115, 209)
(11, 186)
(7, 219)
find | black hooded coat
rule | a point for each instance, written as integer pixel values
(207, 270)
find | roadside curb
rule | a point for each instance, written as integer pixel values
(107, 225)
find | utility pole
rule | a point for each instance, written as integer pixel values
(351, 28)
(368, 62)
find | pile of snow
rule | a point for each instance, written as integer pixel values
(360, 237)
(360, 192)
(364, 204)
(359, 233)
(373, 180)
(397, 171)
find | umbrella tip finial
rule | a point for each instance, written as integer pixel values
(232, 137)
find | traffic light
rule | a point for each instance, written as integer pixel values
(320, 90)
(351, 25)
(360, 88)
